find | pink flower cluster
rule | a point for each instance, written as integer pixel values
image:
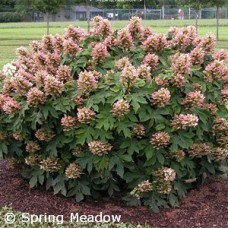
(160, 139)
(35, 97)
(85, 115)
(100, 51)
(20, 84)
(58, 42)
(182, 37)
(120, 108)
(221, 55)
(151, 60)
(216, 70)
(155, 43)
(78, 100)
(40, 77)
(197, 56)
(101, 26)
(69, 122)
(109, 41)
(47, 43)
(63, 74)
(207, 43)
(124, 39)
(32, 147)
(219, 154)
(99, 148)
(122, 63)
(70, 47)
(145, 33)
(9, 105)
(181, 63)
(220, 125)
(178, 80)
(212, 108)
(199, 150)
(129, 76)
(159, 80)
(194, 99)
(135, 26)
(184, 121)
(160, 98)
(224, 94)
(52, 85)
(44, 135)
(74, 33)
(87, 82)
(144, 72)
(138, 130)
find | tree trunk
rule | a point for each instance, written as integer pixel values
(47, 23)
(217, 22)
(88, 15)
(196, 19)
(144, 9)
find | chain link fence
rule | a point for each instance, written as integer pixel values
(75, 13)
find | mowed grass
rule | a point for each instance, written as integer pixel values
(14, 35)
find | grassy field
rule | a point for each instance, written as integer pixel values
(14, 35)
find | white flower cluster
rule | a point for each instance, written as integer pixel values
(9, 69)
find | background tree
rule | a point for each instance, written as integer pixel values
(24, 7)
(48, 7)
(7, 5)
(196, 5)
(218, 4)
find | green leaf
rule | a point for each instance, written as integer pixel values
(209, 166)
(84, 135)
(79, 197)
(135, 104)
(160, 127)
(49, 183)
(108, 63)
(125, 157)
(3, 149)
(85, 190)
(120, 169)
(101, 162)
(86, 162)
(160, 157)
(105, 121)
(124, 128)
(41, 179)
(149, 151)
(164, 62)
(139, 83)
(52, 148)
(173, 200)
(33, 182)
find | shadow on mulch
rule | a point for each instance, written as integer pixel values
(206, 206)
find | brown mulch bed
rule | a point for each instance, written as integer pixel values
(206, 206)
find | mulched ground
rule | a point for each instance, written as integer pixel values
(206, 206)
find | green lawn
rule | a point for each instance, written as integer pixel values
(14, 35)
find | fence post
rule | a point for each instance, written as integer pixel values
(163, 12)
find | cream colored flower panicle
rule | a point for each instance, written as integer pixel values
(120, 108)
(142, 188)
(99, 148)
(50, 164)
(73, 171)
(9, 70)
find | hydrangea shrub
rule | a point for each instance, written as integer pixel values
(128, 111)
